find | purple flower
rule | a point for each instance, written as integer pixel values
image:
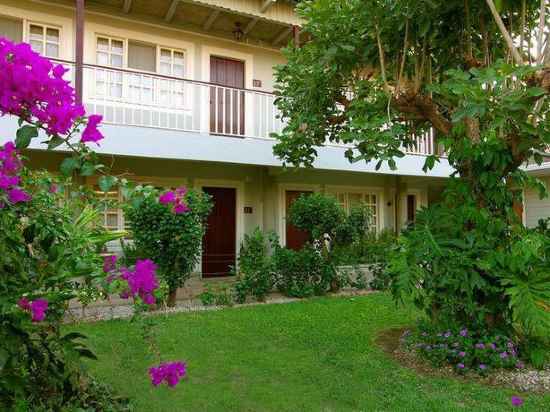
(142, 281)
(109, 263)
(448, 334)
(510, 345)
(504, 355)
(90, 133)
(167, 198)
(520, 365)
(460, 366)
(464, 332)
(16, 195)
(482, 366)
(462, 354)
(169, 372)
(180, 208)
(492, 346)
(517, 401)
(38, 309)
(480, 346)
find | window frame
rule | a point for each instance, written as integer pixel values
(346, 205)
(45, 26)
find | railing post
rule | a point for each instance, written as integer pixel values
(79, 50)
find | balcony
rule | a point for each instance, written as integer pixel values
(132, 98)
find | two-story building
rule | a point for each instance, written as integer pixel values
(185, 89)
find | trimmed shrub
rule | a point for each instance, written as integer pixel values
(302, 273)
(171, 240)
(255, 275)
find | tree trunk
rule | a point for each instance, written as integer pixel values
(172, 298)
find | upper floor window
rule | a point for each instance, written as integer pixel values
(110, 52)
(11, 29)
(172, 62)
(44, 39)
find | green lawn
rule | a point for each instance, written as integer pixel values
(316, 355)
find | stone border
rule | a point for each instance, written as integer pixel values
(95, 313)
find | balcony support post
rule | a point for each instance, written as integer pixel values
(79, 50)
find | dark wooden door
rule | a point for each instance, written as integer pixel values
(295, 238)
(227, 103)
(219, 243)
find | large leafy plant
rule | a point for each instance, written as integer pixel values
(373, 75)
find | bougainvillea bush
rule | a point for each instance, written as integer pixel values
(49, 245)
(168, 228)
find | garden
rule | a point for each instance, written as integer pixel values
(463, 294)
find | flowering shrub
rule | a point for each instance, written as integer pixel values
(168, 228)
(49, 252)
(465, 350)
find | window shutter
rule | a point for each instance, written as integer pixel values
(142, 56)
(11, 29)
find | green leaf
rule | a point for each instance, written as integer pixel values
(68, 165)
(54, 142)
(106, 182)
(25, 135)
(87, 169)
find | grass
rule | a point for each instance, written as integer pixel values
(315, 355)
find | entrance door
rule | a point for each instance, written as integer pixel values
(219, 242)
(295, 238)
(226, 102)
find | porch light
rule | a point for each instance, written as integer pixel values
(238, 33)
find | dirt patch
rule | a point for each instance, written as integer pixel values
(524, 380)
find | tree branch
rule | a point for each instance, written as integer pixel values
(504, 32)
(382, 61)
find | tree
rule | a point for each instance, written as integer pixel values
(374, 74)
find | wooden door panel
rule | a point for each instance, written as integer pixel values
(227, 105)
(295, 238)
(219, 242)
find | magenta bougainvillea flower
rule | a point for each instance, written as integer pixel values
(34, 89)
(167, 198)
(91, 133)
(109, 263)
(17, 195)
(517, 401)
(176, 199)
(142, 281)
(169, 372)
(10, 164)
(37, 308)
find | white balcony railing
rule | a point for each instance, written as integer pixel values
(142, 99)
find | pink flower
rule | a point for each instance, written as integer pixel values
(24, 304)
(169, 372)
(517, 401)
(180, 207)
(16, 195)
(91, 133)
